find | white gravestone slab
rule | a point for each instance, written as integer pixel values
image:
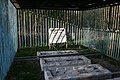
(63, 61)
(57, 35)
(91, 71)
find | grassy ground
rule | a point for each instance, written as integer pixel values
(25, 70)
(30, 70)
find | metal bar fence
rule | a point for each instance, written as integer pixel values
(97, 28)
(34, 24)
(105, 35)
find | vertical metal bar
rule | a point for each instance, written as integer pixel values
(37, 18)
(51, 23)
(110, 13)
(80, 19)
(104, 31)
(112, 34)
(55, 18)
(38, 11)
(35, 25)
(117, 17)
(57, 14)
(77, 28)
(58, 19)
(66, 20)
(99, 22)
(24, 28)
(74, 25)
(71, 42)
(40, 27)
(33, 28)
(116, 12)
(52, 20)
(43, 22)
(46, 24)
(114, 22)
(103, 27)
(107, 32)
(37, 28)
(70, 32)
(115, 34)
(30, 12)
(109, 27)
(44, 27)
(79, 33)
(19, 30)
(116, 49)
(106, 27)
(27, 21)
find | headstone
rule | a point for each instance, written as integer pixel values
(57, 35)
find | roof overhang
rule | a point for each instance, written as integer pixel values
(63, 4)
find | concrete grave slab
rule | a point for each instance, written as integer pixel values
(45, 53)
(114, 78)
(63, 61)
(91, 71)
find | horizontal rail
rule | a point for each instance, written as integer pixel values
(33, 58)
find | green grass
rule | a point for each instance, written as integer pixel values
(22, 52)
(25, 70)
(29, 51)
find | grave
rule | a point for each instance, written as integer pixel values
(114, 78)
(70, 67)
(90, 71)
(63, 61)
(45, 53)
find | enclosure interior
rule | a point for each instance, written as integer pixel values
(91, 23)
